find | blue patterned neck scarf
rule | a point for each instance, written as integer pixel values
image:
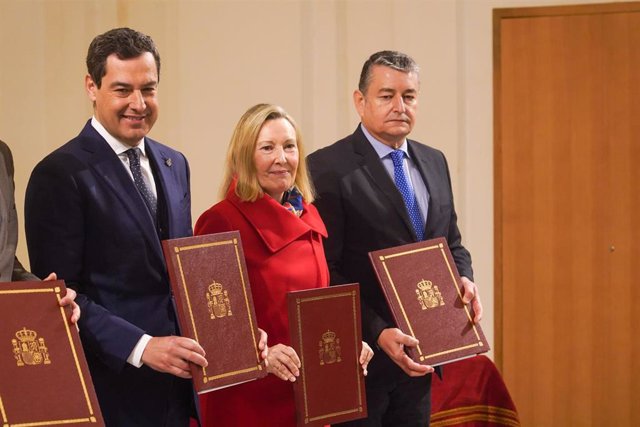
(292, 201)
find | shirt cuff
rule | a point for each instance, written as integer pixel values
(135, 358)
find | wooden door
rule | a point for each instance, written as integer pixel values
(567, 212)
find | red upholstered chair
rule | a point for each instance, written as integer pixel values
(471, 393)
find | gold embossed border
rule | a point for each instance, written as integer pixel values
(91, 415)
(424, 357)
(245, 290)
(353, 295)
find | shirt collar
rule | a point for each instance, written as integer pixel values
(383, 150)
(116, 145)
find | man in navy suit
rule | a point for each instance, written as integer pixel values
(360, 202)
(96, 212)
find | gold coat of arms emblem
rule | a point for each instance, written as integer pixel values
(218, 301)
(429, 295)
(329, 351)
(28, 349)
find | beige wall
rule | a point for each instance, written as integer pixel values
(221, 56)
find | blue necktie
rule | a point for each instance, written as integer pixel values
(404, 186)
(148, 197)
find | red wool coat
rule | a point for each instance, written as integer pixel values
(283, 253)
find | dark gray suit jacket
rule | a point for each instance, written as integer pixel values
(364, 211)
(10, 268)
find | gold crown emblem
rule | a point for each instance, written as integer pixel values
(329, 336)
(215, 288)
(26, 335)
(425, 284)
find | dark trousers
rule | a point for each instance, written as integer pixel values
(395, 400)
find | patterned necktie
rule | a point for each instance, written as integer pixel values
(147, 195)
(404, 186)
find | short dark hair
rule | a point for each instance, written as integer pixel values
(125, 43)
(388, 58)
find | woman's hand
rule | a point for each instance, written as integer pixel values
(365, 357)
(283, 362)
(263, 348)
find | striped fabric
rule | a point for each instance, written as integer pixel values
(477, 415)
(471, 394)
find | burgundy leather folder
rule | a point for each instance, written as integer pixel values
(326, 334)
(44, 378)
(211, 287)
(423, 289)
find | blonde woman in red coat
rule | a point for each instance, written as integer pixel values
(267, 196)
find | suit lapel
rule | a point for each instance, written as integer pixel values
(166, 184)
(379, 177)
(427, 168)
(6, 185)
(110, 169)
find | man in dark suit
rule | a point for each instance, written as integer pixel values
(10, 267)
(96, 211)
(359, 180)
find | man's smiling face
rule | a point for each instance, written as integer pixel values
(126, 102)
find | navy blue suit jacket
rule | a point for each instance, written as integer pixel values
(364, 211)
(86, 221)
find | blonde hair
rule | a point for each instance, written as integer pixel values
(240, 155)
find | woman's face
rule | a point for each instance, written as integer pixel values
(276, 157)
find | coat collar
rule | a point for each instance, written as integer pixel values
(276, 226)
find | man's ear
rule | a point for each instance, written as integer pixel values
(358, 101)
(91, 87)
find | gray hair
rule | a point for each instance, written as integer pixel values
(387, 58)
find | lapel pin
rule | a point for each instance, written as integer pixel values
(167, 162)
